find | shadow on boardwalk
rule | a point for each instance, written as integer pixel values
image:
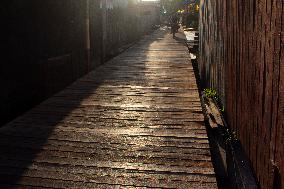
(135, 121)
(25, 137)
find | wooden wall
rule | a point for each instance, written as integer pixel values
(242, 57)
(44, 51)
(45, 47)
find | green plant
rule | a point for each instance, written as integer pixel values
(222, 109)
(211, 93)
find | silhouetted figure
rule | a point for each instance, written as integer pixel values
(174, 24)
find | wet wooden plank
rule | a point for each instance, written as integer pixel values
(135, 122)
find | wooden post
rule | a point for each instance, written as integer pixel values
(88, 42)
(104, 29)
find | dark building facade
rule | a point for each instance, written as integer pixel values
(49, 44)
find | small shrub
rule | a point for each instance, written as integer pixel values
(211, 93)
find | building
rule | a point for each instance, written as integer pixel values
(50, 44)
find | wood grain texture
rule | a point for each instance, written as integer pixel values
(135, 122)
(245, 40)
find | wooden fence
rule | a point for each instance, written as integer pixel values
(49, 44)
(242, 57)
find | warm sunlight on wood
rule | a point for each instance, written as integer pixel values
(185, 94)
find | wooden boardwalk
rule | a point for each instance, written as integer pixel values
(135, 122)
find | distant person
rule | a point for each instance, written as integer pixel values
(174, 24)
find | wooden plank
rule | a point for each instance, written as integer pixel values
(135, 122)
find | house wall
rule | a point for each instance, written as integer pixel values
(49, 44)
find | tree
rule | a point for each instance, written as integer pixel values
(171, 6)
